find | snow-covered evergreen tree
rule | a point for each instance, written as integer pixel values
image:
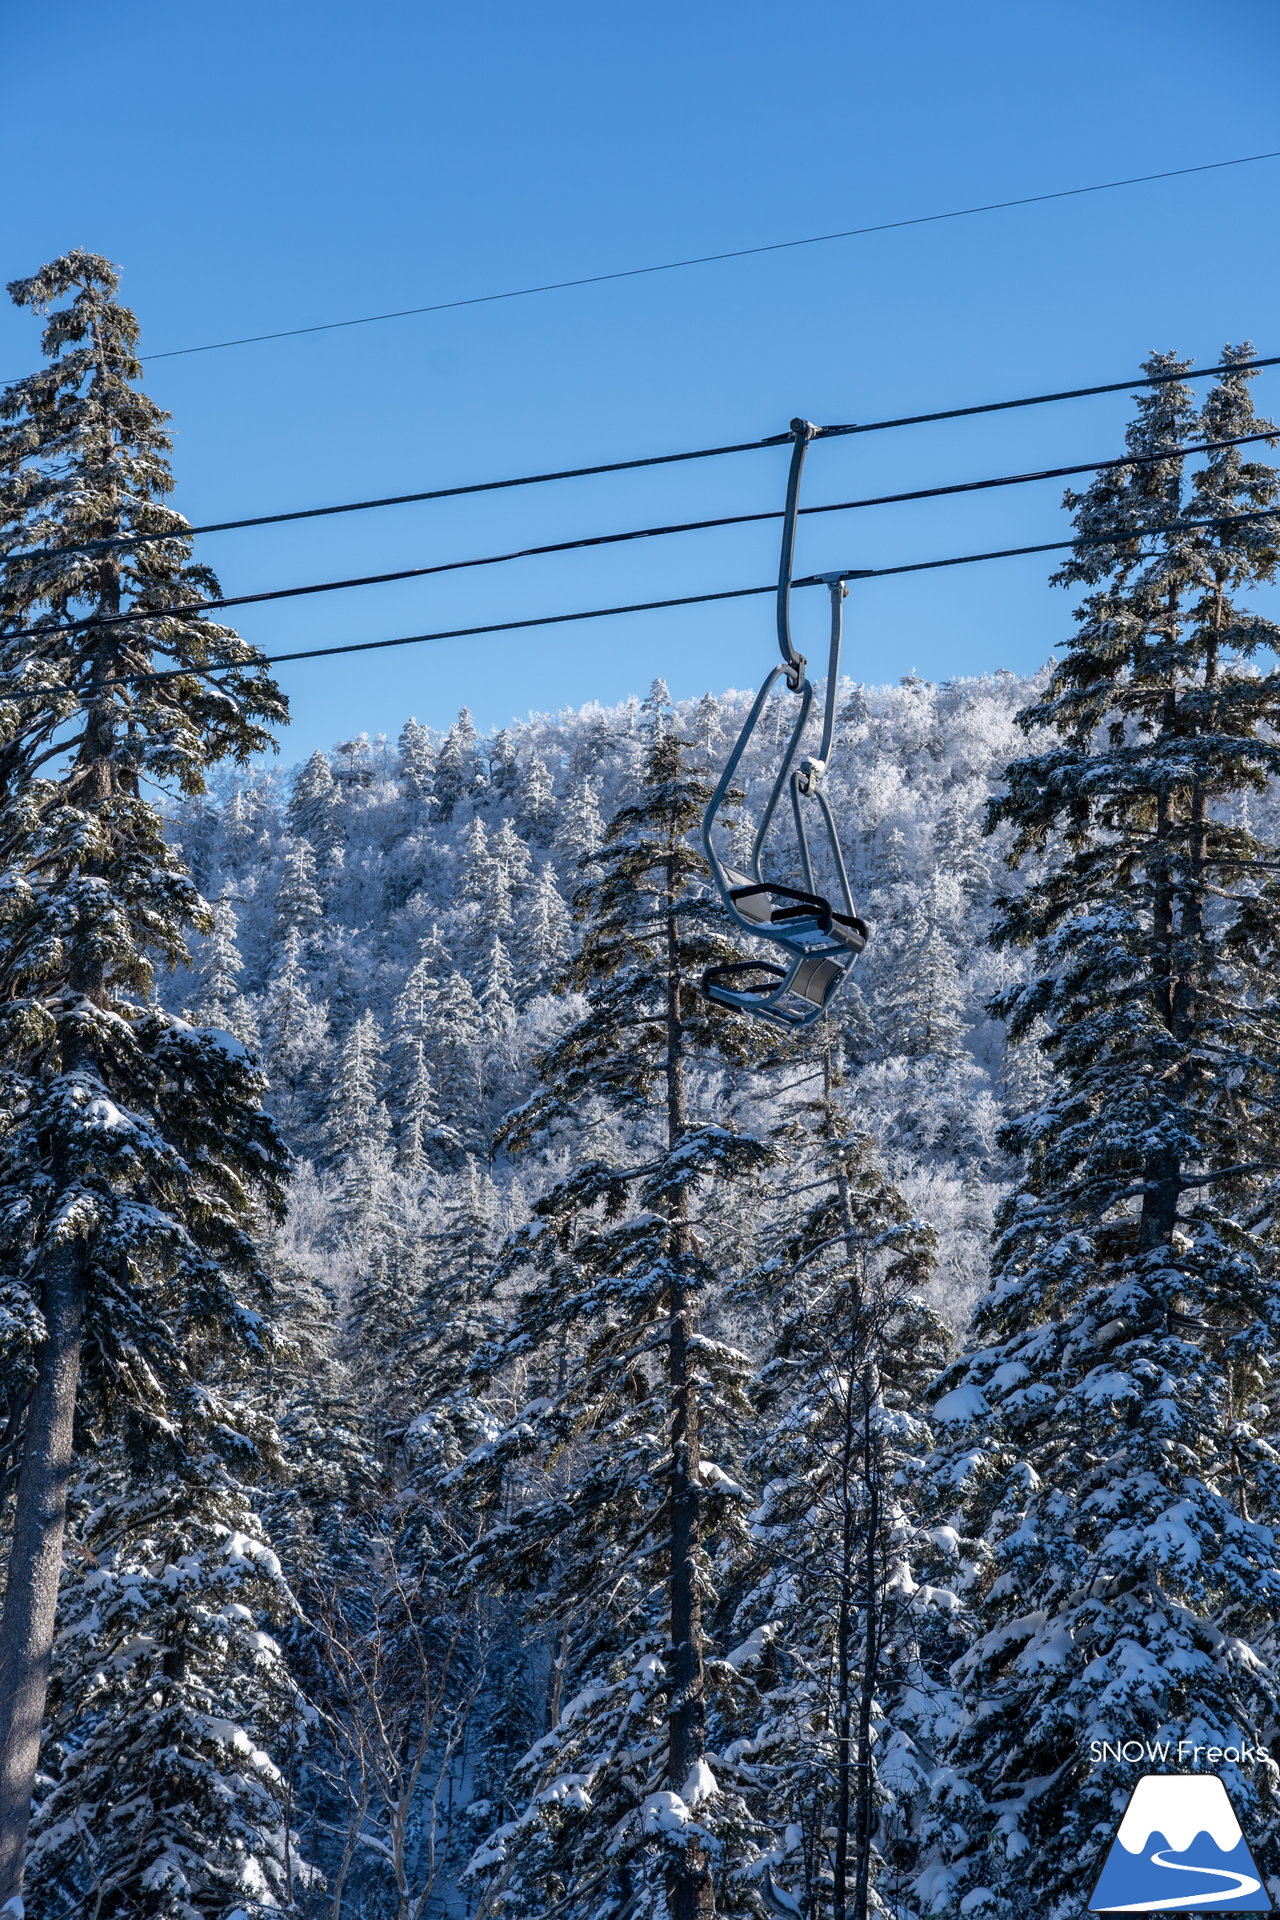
(546, 933)
(220, 1002)
(299, 908)
(171, 1694)
(535, 801)
(133, 1149)
(1116, 1417)
(581, 827)
(417, 761)
(622, 1810)
(845, 1648)
(295, 1043)
(314, 812)
(457, 769)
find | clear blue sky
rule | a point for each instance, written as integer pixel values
(254, 165)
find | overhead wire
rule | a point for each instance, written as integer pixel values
(711, 259)
(256, 660)
(120, 542)
(92, 622)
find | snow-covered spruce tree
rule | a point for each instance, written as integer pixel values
(616, 1810)
(132, 1146)
(168, 1687)
(1117, 1418)
(295, 1046)
(314, 812)
(843, 1642)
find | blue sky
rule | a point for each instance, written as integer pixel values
(254, 166)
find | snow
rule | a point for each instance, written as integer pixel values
(700, 1785)
(962, 1404)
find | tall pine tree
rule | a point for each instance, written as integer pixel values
(622, 1813)
(132, 1145)
(1117, 1416)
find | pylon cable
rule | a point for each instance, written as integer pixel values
(117, 542)
(653, 606)
(93, 621)
(711, 259)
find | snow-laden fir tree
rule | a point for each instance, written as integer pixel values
(613, 1499)
(458, 772)
(132, 1145)
(535, 801)
(844, 1645)
(294, 1029)
(219, 1002)
(358, 1135)
(1117, 1417)
(417, 761)
(299, 908)
(581, 826)
(546, 934)
(314, 812)
(169, 1699)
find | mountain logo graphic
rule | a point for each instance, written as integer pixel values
(1180, 1850)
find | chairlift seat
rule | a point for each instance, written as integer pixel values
(802, 917)
(793, 996)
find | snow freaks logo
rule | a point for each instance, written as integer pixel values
(1180, 1849)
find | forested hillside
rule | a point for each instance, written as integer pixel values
(395, 932)
(395, 921)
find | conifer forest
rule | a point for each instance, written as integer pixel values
(490, 1434)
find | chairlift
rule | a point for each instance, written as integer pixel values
(818, 942)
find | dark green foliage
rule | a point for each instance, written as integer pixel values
(1117, 1420)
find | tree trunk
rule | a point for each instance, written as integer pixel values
(845, 1614)
(35, 1561)
(689, 1886)
(865, 1810)
(1163, 1170)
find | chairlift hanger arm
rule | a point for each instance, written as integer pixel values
(818, 944)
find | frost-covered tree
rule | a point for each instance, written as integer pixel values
(220, 1002)
(417, 761)
(622, 1812)
(299, 908)
(497, 995)
(314, 812)
(535, 801)
(1116, 1418)
(503, 766)
(413, 1093)
(457, 771)
(170, 1698)
(581, 827)
(920, 1003)
(358, 1133)
(546, 933)
(133, 1149)
(844, 1647)
(295, 1044)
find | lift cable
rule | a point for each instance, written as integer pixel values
(710, 259)
(117, 542)
(254, 660)
(93, 621)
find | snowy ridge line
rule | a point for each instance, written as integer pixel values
(125, 540)
(615, 539)
(712, 259)
(254, 660)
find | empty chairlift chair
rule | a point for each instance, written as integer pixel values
(816, 941)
